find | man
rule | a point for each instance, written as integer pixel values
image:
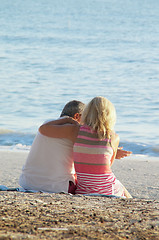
(49, 166)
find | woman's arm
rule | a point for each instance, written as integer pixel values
(61, 128)
(122, 153)
(115, 143)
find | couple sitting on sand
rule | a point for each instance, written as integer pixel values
(75, 152)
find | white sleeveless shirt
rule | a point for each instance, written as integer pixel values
(49, 166)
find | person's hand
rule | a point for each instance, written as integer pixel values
(122, 153)
(71, 120)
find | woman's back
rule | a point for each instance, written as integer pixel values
(92, 159)
(95, 149)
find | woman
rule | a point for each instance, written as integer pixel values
(95, 150)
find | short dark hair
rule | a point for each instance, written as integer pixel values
(72, 107)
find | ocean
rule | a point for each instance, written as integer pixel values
(54, 51)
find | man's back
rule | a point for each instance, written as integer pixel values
(49, 166)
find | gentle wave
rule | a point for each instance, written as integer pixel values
(141, 148)
(4, 131)
(22, 141)
(11, 138)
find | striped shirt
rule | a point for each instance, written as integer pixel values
(92, 159)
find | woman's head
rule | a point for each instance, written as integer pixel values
(100, 115)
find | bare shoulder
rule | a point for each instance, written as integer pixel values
(115, 137)
(115, 140)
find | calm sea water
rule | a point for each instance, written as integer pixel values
(54, 51)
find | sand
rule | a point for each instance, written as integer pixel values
(64, 216)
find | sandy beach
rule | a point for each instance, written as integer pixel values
(60, 216)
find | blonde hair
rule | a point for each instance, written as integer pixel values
(100, 115)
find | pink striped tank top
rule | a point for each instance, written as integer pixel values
(92, 158)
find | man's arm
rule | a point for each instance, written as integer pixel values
(61, 128)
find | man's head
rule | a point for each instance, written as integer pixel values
(73, 109)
